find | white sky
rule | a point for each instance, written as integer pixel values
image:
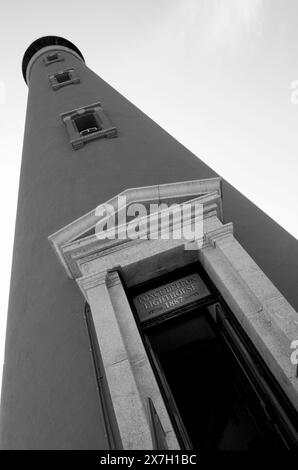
(216, 74)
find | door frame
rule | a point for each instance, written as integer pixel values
(224, 316)
(145, 326)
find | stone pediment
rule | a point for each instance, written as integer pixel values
(79, 237)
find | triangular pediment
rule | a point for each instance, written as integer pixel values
(82, 231)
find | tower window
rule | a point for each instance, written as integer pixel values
(65, 77)
(86, 124)
(52, 58)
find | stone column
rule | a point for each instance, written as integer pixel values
(129, 410)
(265, 315)
(142, 370)
(129, 375)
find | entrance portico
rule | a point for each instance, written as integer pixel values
(113, 274)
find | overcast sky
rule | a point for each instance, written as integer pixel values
(219, 75)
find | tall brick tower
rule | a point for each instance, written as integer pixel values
(90, 363)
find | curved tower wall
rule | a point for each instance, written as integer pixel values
(49, 395)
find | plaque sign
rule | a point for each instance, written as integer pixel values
(167, 297)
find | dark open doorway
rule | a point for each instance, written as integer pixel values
(219, 391)
(221, 397)
(203, 383)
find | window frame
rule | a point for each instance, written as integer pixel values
(56, 85)
(77, 140)
(47, 61)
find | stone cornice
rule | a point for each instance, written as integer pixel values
(70, 248)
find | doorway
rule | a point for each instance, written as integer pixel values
(213, 401)
(219, 391)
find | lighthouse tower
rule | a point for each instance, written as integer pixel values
(138, 343)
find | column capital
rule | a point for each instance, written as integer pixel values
(225, 232)
(112, 278)
(86, 283)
